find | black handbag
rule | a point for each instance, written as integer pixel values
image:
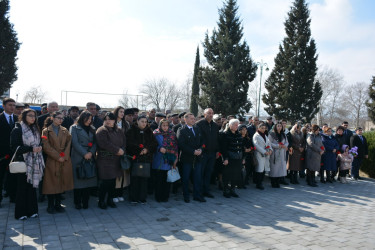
(125, 162)
(141, 169)
(86, 169)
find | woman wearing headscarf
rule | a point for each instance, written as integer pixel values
(263, 151)
(234, 158)
(314, 151)
(297, 144)
(142, 144)
(110, 147)
(165, 158)
(58, 176)
(279, 144)
(83, 149)
(329, 157)
(26, 138)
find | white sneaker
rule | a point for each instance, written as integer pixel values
(34, 216)
(23, 218)
(120, 198)
(115, 200)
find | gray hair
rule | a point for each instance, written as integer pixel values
(233, 121)
(50, 103)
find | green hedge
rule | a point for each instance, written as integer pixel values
(368, 165)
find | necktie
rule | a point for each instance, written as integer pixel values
(192, 130)
(361, 138)
(11, 123)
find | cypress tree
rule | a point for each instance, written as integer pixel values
(9, 46)
(293, 93)
(225, 81)
(371, 102)
(195, 86)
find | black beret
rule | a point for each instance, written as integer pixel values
(174, 115)
(181, 114)
(160, 115)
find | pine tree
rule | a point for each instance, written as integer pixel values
(195, 86)
(293, 93)
(225, 81)
(371, 102)
(9, 46)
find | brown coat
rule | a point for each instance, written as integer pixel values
(109, 143)
(58, 176)
(295, 162)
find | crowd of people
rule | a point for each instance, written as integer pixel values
(108, 154)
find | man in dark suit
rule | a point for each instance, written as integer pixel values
(210, 134)
(190, 143)
(51, 107)
(7, 122)
(69, 120)
(358, 140)
(347, 132)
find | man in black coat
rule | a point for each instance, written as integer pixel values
(51, 107)
(69, 120)
(347, 132)
(190, 143)
(210, 134)
(158, 117)
(7, 122)
(358, 140)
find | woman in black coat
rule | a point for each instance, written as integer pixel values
(26, 138)
(141, 144)
(234, 158)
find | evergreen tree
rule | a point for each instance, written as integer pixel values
(293, 93)
(9, 46)
(225, 81)
(371, 102)
(195, 86)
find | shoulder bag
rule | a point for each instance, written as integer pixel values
(141, 169)
(16, 167)
(86, 169)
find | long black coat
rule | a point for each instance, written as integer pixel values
(188, 143)
(135, 137)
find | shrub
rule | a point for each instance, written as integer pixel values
(368, 165)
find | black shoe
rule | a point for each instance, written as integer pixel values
(360, 178)
(209, 195)
(200, 199)
(102, 205)
(59, 209)
(283, 182)
(143, 202)
(260, 186)
(134, 202)
(85, 206)
(322, 181)
(111, 204)
(233, 194)
(187, 200)
(51, 210)
(78, 206)
(226, 195)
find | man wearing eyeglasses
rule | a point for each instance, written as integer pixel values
(51, 107)
(358, 140)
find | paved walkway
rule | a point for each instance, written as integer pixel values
(332, 216)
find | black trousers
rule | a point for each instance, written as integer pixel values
(162, 187)
(107, 188)
(81, 196)
(26, 199)
(8, 181)
(138, 188)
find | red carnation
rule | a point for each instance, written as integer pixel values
(203, 146)
(219, 154)
(255, 148)
(89, 144)
(44, 137)
(280, 143)
(62, 154)
(321, 164)
(141, 146)
(267, 147)
(322, 148)
(134, 157)
(302, 159)
(7, 157)
(337, 152)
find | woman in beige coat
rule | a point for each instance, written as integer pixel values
(58, 175)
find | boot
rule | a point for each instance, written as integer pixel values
(259, 180)
(313, 177)
(77, 193)
(226, 192)
(51, 204)
(308, 178)
(328, 173)
(291, 177)
(273, 183)
(282, 181)
(58, 206)
(277, 182)
(295, 177)
(233, 192)
(322, 176)
(220, 185)
(85, 198)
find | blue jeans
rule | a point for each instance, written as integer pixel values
(197, 179)
(355, 167)
(208, 163)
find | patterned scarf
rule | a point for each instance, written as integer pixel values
(169, 140)
(34, 161)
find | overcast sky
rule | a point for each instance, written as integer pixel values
(113, 46)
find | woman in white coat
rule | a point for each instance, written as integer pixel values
(279, 144)
(262, 153)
